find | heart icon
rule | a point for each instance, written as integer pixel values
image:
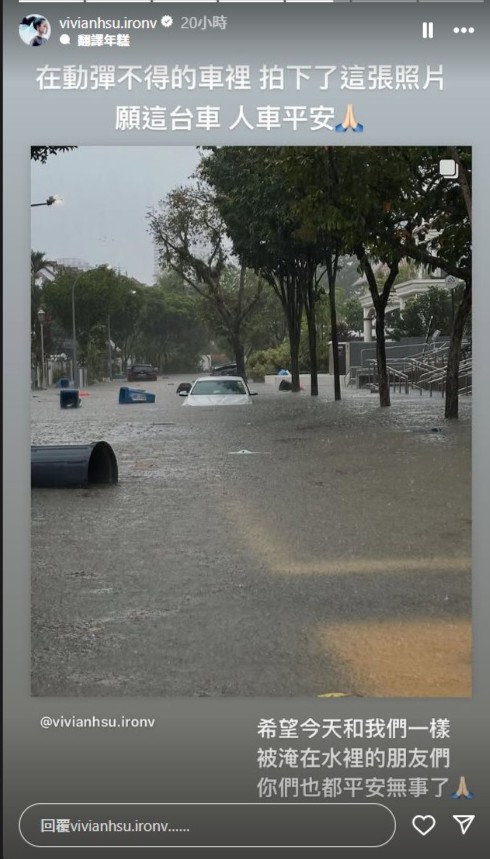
(423, 823)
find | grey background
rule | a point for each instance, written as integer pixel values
(205, 749)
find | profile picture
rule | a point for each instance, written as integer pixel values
(34, 30)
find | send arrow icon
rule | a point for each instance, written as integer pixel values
(465, 821)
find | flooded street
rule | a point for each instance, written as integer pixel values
(333, 556)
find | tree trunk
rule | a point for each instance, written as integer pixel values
(311, 320)
(384, 386)
(294, 338)
(334, 335)
(310, 309)
(239, 351)
(290, 295)
(454, 357)
(380, 301)
(463, 181)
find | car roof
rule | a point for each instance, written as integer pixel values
(222, 379)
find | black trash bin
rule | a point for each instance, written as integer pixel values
(73, 465)
(69, 398)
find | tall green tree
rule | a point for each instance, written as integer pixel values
(239, 286)
(426, 313)
(352, 315)
(437, 233)
(389, 196)
(267, 326)
(191, 234)
(170, 333)
(319, 196)
(102, 296)
(370, 179)
(288, 212)
(251, 192)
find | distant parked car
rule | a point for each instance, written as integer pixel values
(231, 391)
(224, 370)
(142, 373)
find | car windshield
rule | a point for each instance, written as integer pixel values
(218, 387)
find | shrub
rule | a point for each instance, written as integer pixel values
(268, 361)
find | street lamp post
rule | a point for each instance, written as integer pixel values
(41, 315)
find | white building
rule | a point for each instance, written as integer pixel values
(400, 294)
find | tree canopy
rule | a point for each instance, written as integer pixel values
(42, 153)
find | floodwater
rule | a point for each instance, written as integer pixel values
(332, 557)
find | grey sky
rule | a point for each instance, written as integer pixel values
(106, 191)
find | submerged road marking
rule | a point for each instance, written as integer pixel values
(376, 565)
(245, 451)
(418, 658)
(336, 695)
(421, 656)
(264, 544)
(279, 557)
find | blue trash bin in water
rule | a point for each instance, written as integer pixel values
(64, 383)
(131, 395)
(69, 398)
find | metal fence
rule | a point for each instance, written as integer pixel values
(425, 371)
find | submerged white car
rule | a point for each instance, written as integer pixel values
(218, 391)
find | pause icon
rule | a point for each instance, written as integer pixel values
(428, 30)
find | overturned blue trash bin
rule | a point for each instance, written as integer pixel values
(135, 395)
(73, 465)
(69, 398)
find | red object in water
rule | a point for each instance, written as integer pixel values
(83, 394)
